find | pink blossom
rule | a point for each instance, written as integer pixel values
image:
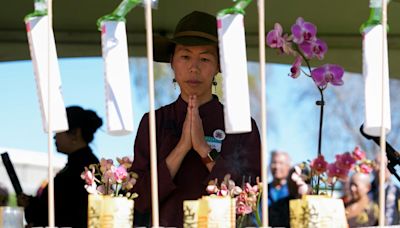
(105, 164)
(274, 37)
(243, 209)
(91, 188)
(120, 174)
(328, 73)
(295, 69)
(365, 168)
(129, 183)
(319, 164)
(303, 31)
(108, 176)
(334, 171)
(316, 48)
(125, 161)
(88, 176)
(359, 154)
(212, 189)
(345, 161)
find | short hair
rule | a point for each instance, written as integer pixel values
(280, 152)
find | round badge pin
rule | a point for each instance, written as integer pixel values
(219, 134)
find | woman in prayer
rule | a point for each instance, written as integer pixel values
(192, 146)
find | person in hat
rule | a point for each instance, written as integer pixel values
(192, 146)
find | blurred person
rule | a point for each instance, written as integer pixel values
(3, 195)
(192, 145)
(70, 196)
(392, 193)
(361, 211)
(297, 184)
(280, 165)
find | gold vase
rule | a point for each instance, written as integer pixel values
(110, 212)
(314, 211)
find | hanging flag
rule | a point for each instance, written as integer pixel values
(374, 50)
(233, 60)
(117, 78)
(40, 44)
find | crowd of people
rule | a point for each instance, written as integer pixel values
(359, 193)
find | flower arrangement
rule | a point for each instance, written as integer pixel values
(247, 198)
(330, 173)
(107, 179)
(304, 45)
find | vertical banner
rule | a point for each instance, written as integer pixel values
(233, 60)
(37, 30)
(372, 72)
(117, 78)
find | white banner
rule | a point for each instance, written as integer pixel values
(233, 60)
(117, 80)
(37, 29)
(372, 72)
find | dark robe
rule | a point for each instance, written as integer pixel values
(239, 156)
(70, 195)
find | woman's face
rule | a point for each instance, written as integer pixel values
(64, 142)
(195, 68)
(359, 186)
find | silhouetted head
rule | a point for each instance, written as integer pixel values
(82, 126)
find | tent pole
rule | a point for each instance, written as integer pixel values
(153, 148)
(382, 167)
(50, 127)
(264, 169)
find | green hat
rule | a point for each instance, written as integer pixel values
(196, 28)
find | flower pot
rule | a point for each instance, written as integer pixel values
(110, 212)
(317, 211)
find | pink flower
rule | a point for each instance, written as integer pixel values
(345, 161)
(295, 69)
(316, 48)
(129, 183)
(274, 37)
(359, 154)
(243, 209)
(303, 31)
(108, 176)
(319, 164)
(365, 168)
(105, 164)
(328, 73)
(88, 176)
(120, 174)
(334, 171)
(125, 161)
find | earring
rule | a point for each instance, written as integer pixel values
(215, 83)
(174, 82)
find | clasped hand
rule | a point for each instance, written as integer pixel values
(192, 132)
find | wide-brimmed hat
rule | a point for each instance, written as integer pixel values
(196, 28)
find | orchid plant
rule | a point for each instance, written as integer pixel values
(304, 45)
(247, 198)
(330, 173)
(107, 179)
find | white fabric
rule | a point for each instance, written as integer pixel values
(233, 60)
(37, 30)
(372, 72)
(117, 78)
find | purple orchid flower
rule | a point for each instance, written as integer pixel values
(316, 48)
(295, 69)
(303, 31)
(274, 37)
(328, 73)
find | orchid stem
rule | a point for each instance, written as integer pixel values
(321, 115)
